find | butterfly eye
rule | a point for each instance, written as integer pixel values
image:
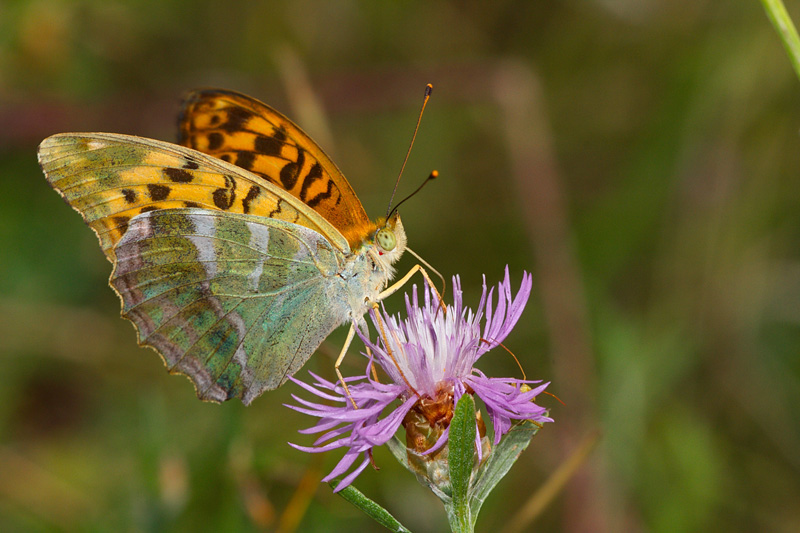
(386, 240)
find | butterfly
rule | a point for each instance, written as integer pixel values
(234, 254)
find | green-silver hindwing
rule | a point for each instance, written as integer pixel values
(236, 302)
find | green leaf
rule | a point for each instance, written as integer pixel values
(461, 442)
(786, 31)
(372, 509)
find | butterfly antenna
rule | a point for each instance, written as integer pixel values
(512, 355)
(428, 91)
(421, 260)
(432, 176)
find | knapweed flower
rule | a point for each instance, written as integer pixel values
(430, 359)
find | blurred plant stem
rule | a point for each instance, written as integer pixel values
(786, 30)
(588, 496)
(540, 499)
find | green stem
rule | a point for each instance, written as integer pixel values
(786, 30)
(460, 519)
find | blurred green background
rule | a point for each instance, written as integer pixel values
(640, 157)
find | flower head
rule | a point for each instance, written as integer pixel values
(429, 357)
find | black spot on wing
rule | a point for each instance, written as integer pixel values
(280, 134)
(215, 140)
(237, 119)
(245, 160)
(252, 194)
(149, 208)
(225, 196)
(179, 175)
(226, 157)
(191, 204)
(122, 223)
(191, 165)
(267, 145)
(314, 174)
(291, 171)
(158, 192)
(129, 195)
(222, 199)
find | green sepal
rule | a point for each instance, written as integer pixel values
(461, 441)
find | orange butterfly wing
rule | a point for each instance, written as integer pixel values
(241, 130)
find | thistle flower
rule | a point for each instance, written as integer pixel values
(429, 357)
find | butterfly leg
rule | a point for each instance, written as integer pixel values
(396, 286)
(388, 347)
(337, 364)
(383, 294)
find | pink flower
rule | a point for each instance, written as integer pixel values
(429, 357)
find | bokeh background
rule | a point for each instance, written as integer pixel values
(639, 157)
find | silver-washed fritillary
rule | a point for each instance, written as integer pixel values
(234, 255)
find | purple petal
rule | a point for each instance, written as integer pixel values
(380, 432)
(342, 466)
(352, 476)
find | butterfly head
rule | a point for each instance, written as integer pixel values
(390, 239)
